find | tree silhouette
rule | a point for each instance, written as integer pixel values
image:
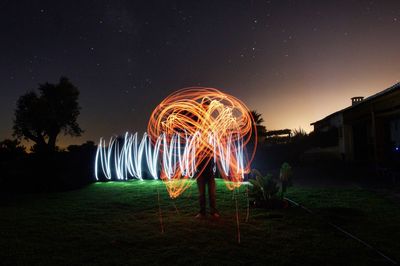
(258, 120)
(299, 134)
(41, 118)
(11, 149)
(257, 117)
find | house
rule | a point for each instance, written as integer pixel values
(368, 130)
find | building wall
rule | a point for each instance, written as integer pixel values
(348, 145)
(373, 131)
(369, 130)
(395, 132)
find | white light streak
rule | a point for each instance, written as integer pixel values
(122, 158)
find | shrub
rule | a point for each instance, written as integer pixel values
(263, 188)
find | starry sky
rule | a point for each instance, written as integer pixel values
(293, 61)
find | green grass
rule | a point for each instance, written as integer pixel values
(118, 223)
(372, 217)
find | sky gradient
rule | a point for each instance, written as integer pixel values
(293, 61)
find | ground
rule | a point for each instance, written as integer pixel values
(119, 223)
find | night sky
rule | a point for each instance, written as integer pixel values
(292, 61)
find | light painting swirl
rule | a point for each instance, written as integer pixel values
(185, 131)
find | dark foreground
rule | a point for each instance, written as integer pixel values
(118, 223)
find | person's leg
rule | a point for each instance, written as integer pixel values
(212, 195)
(201, 184)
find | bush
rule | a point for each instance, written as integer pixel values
(46, 172)
(263, 188)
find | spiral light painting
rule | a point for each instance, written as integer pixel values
(185, 132)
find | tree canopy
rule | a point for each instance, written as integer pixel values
(257, 117)
(258, 120)
(42, 117)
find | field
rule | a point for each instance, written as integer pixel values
(119, 223)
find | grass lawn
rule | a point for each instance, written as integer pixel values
(118, 223)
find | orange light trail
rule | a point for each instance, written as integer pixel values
(206, 112)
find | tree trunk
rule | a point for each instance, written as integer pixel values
(39, 140)
(51, 144)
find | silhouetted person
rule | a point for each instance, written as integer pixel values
(206, 179)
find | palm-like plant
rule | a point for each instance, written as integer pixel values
(258, 120)
(299, 133)
(257, 117)
(263, 188)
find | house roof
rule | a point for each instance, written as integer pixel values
(363, 102)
